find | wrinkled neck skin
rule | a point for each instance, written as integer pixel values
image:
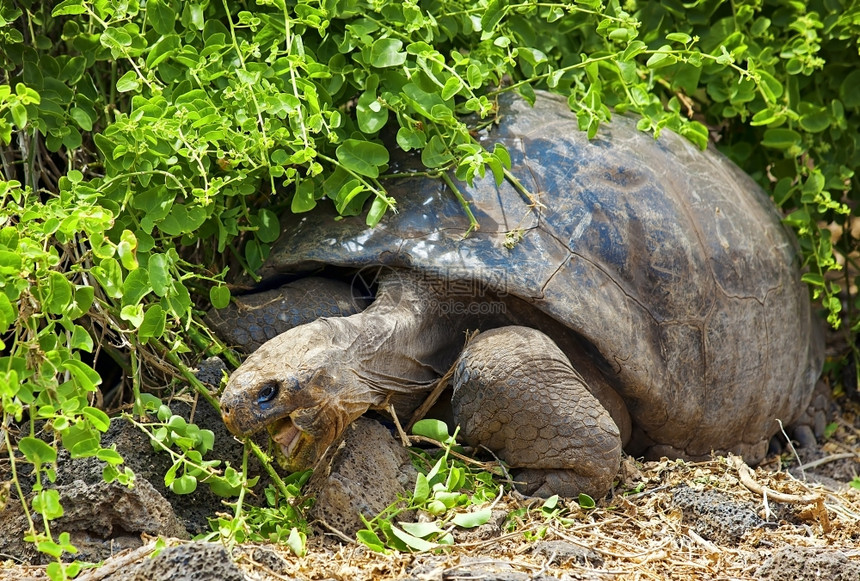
(398, 348)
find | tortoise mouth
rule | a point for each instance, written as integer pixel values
(286, 435)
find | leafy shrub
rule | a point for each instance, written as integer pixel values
(146, 147)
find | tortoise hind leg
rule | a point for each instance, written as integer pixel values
(516, 393)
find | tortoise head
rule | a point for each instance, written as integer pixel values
(299, 387)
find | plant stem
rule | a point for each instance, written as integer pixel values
(473, 223)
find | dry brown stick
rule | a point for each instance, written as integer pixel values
(826, 459)
(431, 399)
(341, 535)
(747, 479)
(404, 439)
(120, 561)
(488, 466)
(745, 474)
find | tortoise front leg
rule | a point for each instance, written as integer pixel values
(516, 393)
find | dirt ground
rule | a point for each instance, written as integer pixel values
(665, 520)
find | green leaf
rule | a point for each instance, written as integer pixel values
(7, 313)
(436, 153)
(127, 249)
(386, 52)
(421, 529)
(491, 17)
(586, 502)
(780, 138)
(634, 48)
(10, 263)
(268, 226)
(69, 7)
(219, 296)
(409, 139)
(350, 198)
(36, 451)
(109, 275)
(377, 209)
(469, 520)
(422, 489)
(770, 87)
(84, 296)
(115, 39)
(848, 93)
(19, 114)
(436, 507)
(425, 103)
(205, 441)
(550, 503)
(370, 540)
(182, 219)
(161, 16)
(813, 278)
(813, 119)
(412, 541)
(47, 503)
(112, 457)
(766, 117)
(136, 286)
(97, 417)
(81, 339)
(163, 49)
(59, 293)
(185, 484)
(474, 76)
(304, 200)
(159, 274)
(431, 428)
(128, 82)
(297, 542)
(84, 375)
(451, 88)
(661, 58)
(814, 184)
(679, 37)
(362, 157)
(133, 314)
(370, 113)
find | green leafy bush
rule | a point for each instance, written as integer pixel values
(147, 147)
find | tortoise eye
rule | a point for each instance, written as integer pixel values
(268, 392)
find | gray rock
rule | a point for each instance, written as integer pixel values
(187, 562)
(270, 559)
(211, 370)
(808, 564)
(366, 474)
(193, 509)
(102, 518)
(563, 552)
(471, 568)
(715, 515)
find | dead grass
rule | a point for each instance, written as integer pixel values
(639, 535)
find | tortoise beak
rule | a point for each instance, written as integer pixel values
(238, 416)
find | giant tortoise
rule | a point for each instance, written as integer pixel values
(646, 298)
